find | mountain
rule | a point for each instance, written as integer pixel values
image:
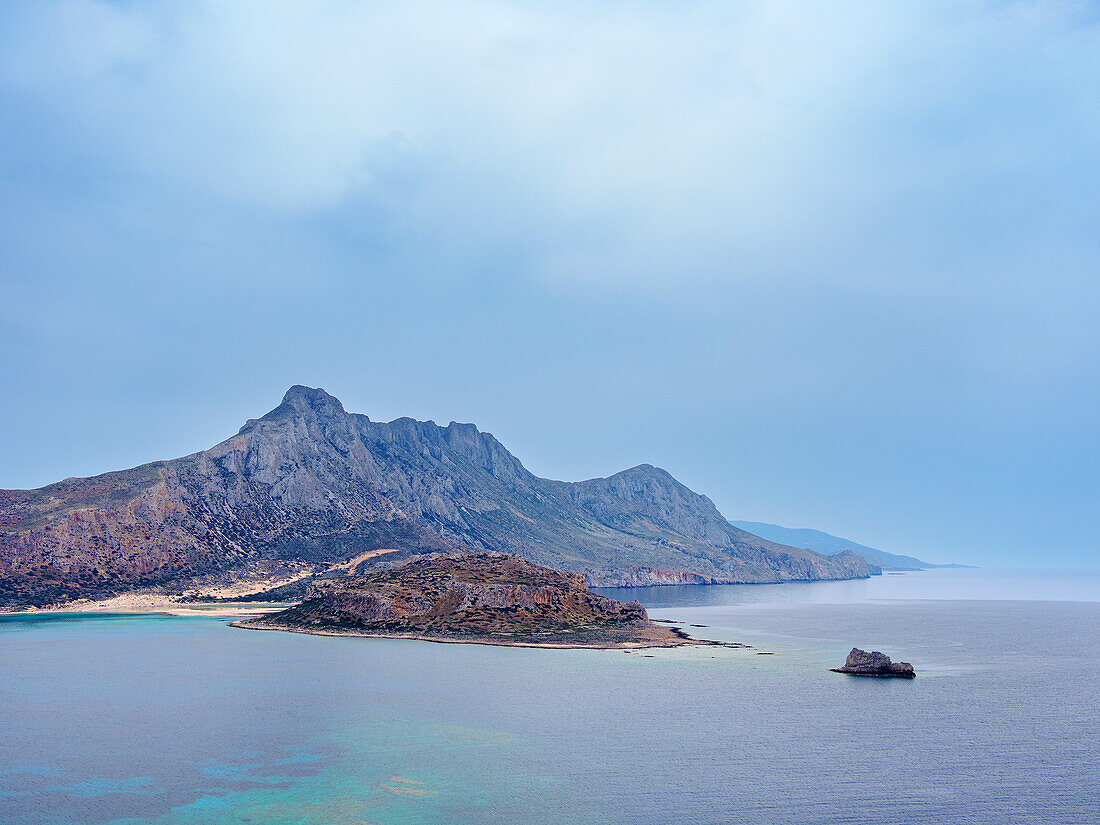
(309, 489)
(486, 598)
(825, 543)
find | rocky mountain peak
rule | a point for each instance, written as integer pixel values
(309, 403)
(648, 471)
(309, 399)
(648, 483)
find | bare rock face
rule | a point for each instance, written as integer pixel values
(481, 597)
(312, 486)
(862, 663)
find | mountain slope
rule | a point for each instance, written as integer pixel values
(825, 543)
(310, 486)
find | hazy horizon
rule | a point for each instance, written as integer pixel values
(834, 268)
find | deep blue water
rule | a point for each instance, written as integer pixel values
(181, 720)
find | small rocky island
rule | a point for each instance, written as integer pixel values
(862, 663)
(483, 598)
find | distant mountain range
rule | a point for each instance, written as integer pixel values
(310, 490)
(825, 543)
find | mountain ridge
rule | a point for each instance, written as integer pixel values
(823, 542)
(309, 486)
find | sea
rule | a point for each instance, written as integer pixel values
(179, 721)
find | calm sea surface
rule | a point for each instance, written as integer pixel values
(181, 720)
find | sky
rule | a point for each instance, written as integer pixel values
(835, 265)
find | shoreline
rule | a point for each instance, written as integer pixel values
(148, 603)
(683, 639)
(241, 611)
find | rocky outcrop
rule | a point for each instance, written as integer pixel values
(490, 598)
(311, 486)
(862, 663)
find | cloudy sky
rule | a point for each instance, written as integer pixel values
(836, 265)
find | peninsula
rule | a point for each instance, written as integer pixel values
(310, 490)
(479, 598)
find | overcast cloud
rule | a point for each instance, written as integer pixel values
(834, 264)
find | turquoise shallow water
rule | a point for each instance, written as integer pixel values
(180, 720)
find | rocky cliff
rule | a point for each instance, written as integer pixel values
(488, 598)
(310, 488)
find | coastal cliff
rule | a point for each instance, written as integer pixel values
(476, 598)
(310, 489)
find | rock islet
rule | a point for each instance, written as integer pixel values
(862, 663)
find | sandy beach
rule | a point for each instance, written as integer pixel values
(157, 603)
